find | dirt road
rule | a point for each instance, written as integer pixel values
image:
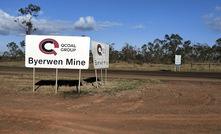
(161, 75)
(180, 103)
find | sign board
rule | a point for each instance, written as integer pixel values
(100, 55)
(177, 60)
(67, 52)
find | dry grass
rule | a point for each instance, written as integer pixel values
(157, 67)
(23, 83)
(13, 64)
(144, 67)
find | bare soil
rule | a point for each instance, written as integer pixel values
(166, 103)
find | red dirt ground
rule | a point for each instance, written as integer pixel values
(176, 105)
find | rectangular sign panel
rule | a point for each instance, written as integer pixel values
(100, 55)
(68, 52)
(177, 60)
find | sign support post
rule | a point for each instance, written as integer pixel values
(56, 81)
(96, 78)
(33, 79)
(105, 76)
(101, 77)
(79, 81)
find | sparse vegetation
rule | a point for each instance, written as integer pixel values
(127, 85)
(113, 86)
(144, 67)
(69, 86)
(12, 64)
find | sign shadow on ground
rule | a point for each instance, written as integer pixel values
(91, 80)
(70, 83)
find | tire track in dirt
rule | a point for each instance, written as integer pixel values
(133, 102)
(78, 123)
(203, 99)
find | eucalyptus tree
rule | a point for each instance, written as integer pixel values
(24, 20)
(14, 53)
(171, 43)
(218, 47)
(26, 16)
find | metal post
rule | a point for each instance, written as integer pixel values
(179, 68)
(33, 79)
(101, 77)
(56, 81)
(96, 78)
(105, 76)
(79, 81)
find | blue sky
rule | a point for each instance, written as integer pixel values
(136, 22)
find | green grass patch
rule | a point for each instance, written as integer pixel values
(153, 81)
(127, 85)
(113, 86)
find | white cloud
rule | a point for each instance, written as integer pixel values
(41, 12)
(208, 16)
(218, 8)
(51, 27)
(215, 24)
(140, 26)
(85, 24)
(88, 23)
(106, 24)
(8, 26)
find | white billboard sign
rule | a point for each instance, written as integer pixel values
(177, 60)
(100, 55)
(68, 52)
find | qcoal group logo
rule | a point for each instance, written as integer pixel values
(43, 48)
(99, 50)
(64, 47)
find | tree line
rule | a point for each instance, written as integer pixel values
(163, 51)
(160, 51)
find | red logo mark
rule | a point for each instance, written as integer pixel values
(48, 51)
